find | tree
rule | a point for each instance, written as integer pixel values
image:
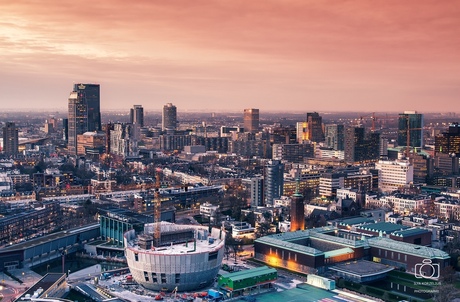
(446, 292)
(263, 229)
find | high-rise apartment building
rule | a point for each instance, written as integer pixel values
(251, 120)
(84, 112)
(257, 191)
(122, 141)
(274, 181)
(359, 146)
(169, 117)
(10, 139)
(334, 136)
(136, 115)
(410, 122)
(394, 175)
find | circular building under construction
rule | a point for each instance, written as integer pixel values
(186, 257)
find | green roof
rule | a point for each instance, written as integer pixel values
(302, 293)
(384, 227)
(357, 220)
(410, 232)
(254, 272)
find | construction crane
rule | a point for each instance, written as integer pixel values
(374, 118)
(157, 209)
(408, 130)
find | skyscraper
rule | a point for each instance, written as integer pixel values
(169, 117)
(311, 129)
(449, 142)
(334, 136)
(84, 112)
(273, 181)
(136, 115)
(10, 139)
(410, 122)
(315, 127)
(359, 146)
(251, 120)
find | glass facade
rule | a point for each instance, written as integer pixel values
(84, 112)
(410, 123)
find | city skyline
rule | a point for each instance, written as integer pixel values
(227, 56)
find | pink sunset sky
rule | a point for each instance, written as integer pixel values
(221, 55)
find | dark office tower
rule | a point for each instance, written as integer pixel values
(361, 147)
(334, 136)
(273, 181)
(10, 139)
(84, 112)
(257, 191)
(449, 142)
(251, 120)
(169, 117)
(136, 115)
(109, 127)
(410, 122)
(65, 127)
(297, 210)
(315, 127)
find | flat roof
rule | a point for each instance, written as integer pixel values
(44, 283)
(127, 215)
(201, 244)
(410, 232)
(362, 268)
(407, 248)
(253, 272)
(303, 293)
(384, 227)
(47, 238)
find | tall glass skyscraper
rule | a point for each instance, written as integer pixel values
(84, 112)
(169, 117)
(410, 122)
(273, 181)
(136, 115)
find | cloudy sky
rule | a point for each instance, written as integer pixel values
(220, 55)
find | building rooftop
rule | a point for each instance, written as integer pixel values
(384, 227)
(408, 248)
(410, 232)
(127, 215)
(362, 268)
(43, 285)
(355, 221)
(203, 241)
(251, 273)
(338, 252)
(290, 246)
(47, 238)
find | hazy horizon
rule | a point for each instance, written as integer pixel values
(386, 56)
